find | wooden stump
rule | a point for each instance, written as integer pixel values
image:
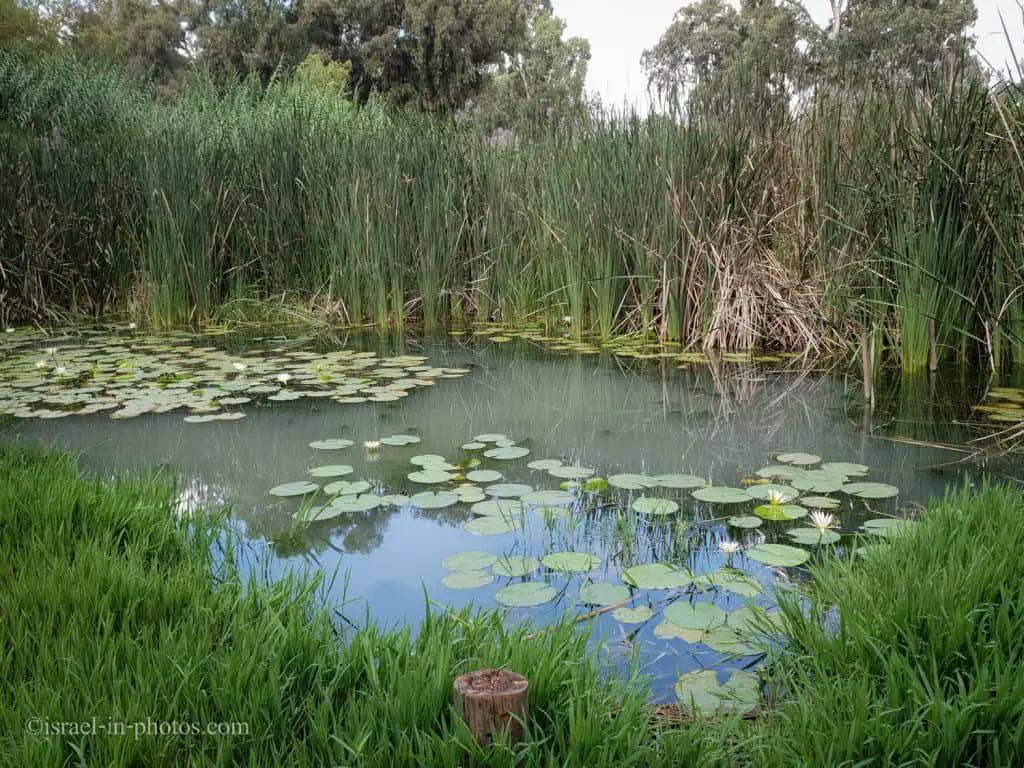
(491, 700)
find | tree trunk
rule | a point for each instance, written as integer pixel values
(491, 700)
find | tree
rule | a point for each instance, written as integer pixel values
(22, 30)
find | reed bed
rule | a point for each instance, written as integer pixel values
(881, 212)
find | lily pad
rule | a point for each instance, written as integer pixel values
(346, 487)
(430, 476)
(666, 630)
(544, 464)
(780, 511)
(491, 525)
(467, 579)
(783, 493)
(469, 494)
(361, 503)
(603, 594)
(507, 490)
(846, 468)
(778, 554)
(798, 459)
(571, 473)
(745, 521)
(428, 459)
(332, 444)
(727, 640)
(659, 507)
(780, 472)
(813, 536)
(332, 470)
(497, 508)
(701, 693)
(699, 615)
(473, 446)
(483, 476)
(887, 526)
(720, 494)
(656, 576)
(525, 595)
(627, 615)
(871, 490)
(506, 454)
(515, 566)
(548, 498)
(737, 582)
(298, 488)
(400, 440)
(819, 502)
(679, 481)
(470, 560)
(395, 500)
(632, 482)
(431, 500)
(819, 481)
(571, 562)
(489, 438)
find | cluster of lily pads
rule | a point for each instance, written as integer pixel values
(128, 376)
(1003, 404)
(501, 488)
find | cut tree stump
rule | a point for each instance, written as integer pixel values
(492, 700)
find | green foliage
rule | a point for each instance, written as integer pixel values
(325, 76)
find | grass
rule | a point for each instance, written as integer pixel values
(115, 609)
(800, 233)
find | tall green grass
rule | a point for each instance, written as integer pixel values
(730, 230)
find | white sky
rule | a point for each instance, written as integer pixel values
(620, 30)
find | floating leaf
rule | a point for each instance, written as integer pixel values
(632, 482)
(571, 473)
(470, 560)
(782, 493)
(544, 464)
(747, 619)
(483, 476)
(819, 481)
(428, 459)
(780, 472)
(780, 511)
(467, 579)
(469, 494)
(548, 498)
(515, 566)
(871, 490)
(430, 476)
(626, 615)
(679, 481)
(603, 594)
(887, 526)
(362, 503)
(700, 615)
(656, 576)
(745, 521)
(331, 470)
(346, 487)
(571, 562)
(798, 459)
(819, 502)
(498, 507)
(491, 525)
(718, 494)
(525, 595)
(648, 506)
(332, 444)
(845, 468)
(737, 582)
(812, 536)
(701, 693)
(726, 640)
(395, 500)
(473, 446)
(489, 438)
(507, 490)
(505, 454)
(666, 630)
(778, 554)
(298, 488)
(431, 500)
(400, 440)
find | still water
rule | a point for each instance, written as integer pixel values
(611, 414)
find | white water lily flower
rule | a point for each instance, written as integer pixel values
(567, 319)
(239, 367)
(372, 445)
(822, 520)
(40, 363)
(51, 350)
(60, 370)
(9, 330)
(132, 326)
(284, 378)
(729, 547)
(775, 498)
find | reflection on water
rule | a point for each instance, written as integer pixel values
(720, 422)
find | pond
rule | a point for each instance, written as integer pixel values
(518, 471)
